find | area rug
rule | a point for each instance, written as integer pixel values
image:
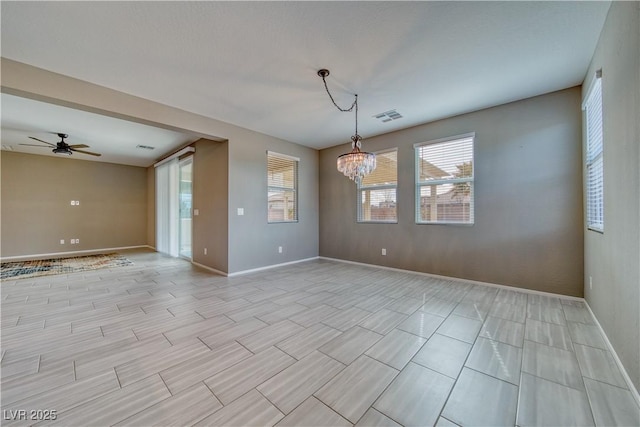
(48, 267)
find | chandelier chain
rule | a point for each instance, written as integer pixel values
(356, 137)
(356, 164)
(344, 110)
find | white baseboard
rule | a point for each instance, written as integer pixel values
(625, 375)
(213, 270)
(268, 267)
(34, 257)
(473, 282)
(253, 270)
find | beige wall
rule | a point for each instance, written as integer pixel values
(37, 213)
(528, 201)
(211, 198)
(612, 258)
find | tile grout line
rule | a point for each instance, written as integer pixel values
(524, 338)
(115, 371)
(634, 392)
(593, 418)
(269, 400)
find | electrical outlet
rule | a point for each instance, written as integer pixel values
(77, 241)
(62, 241)
(73, 241)
(73, 203)
(384, 251)
(205, 251)
(279, 249)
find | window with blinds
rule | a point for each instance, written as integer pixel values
(594, 157)
(377, 201)
(444, 181)
(282, 187)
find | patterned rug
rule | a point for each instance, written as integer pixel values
(48, 267)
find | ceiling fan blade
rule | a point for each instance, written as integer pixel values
(79, 146)
(48, 143)
(34, 145)
(85, 152)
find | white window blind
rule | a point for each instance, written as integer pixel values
(594, 157)
(444, 180)
(282, 187)
(377, 193)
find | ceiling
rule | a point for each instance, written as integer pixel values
(254, 64)
(117, 140)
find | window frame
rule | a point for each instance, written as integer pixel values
(294, 189)
(360, 188)
(419, 184)
(594, 222)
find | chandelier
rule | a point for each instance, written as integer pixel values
(356, 164)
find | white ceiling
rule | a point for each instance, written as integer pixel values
(254, 64)
(115, 139)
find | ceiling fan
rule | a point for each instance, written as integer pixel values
(62, 147)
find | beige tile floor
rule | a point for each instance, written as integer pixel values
(315, 343)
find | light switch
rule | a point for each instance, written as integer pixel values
(240, 211)
(196, 212)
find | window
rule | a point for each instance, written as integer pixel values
(593, 158)
(282, 187)
(377, 191)
(444, 180)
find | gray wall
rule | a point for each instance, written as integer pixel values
(613, 258)
(252, 241)
(151, 206)
(37, 212)
(528, 201)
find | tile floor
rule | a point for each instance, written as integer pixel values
(315, 343)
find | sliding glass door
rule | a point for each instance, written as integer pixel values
(174, 207)
(186, 204)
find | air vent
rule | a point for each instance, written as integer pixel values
(387, 116)
(7, 147)
(145, 147)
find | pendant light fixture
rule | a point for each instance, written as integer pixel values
(357, 164)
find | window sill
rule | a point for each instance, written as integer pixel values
(463, 224)
(376, 222)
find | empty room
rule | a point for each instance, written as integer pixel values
(321, 213)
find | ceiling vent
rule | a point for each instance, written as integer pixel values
(387, 116)
(145, 147)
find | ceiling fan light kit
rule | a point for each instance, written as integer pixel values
(62, 147)
(356, 164)
(62, 151)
